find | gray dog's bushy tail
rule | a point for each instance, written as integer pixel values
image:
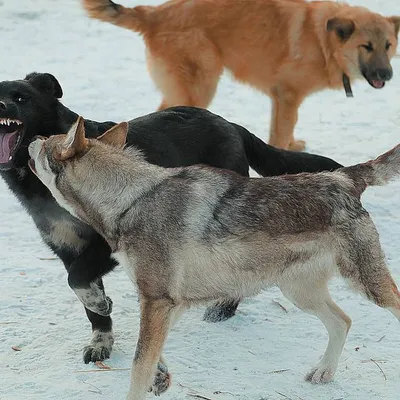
(134, 18)
(376, 172)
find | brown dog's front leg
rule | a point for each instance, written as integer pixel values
(154, 325)
(285, 105)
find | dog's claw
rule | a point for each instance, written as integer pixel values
(100, 347)
(320, 375)
(162, 380)
(93, 353)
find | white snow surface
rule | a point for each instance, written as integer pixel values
(261, 353)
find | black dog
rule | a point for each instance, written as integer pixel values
(178, 136)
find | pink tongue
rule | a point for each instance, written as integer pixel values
(377, 84)
(7, 143)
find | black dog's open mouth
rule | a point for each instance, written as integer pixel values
(375, 83)
(10, 137)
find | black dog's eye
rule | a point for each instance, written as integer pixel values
(368, 47)
(20, 98)
(387, 47)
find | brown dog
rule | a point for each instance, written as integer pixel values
(288, 49)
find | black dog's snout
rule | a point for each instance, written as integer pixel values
(3, 105)
(384, 74)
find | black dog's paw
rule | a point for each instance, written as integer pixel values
(100, 347)
(162, 380)
(220, 312)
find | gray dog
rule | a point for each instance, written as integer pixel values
(197, 234)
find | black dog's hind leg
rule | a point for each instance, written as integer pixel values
(221, 311)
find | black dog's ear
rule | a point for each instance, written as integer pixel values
(343, 27)
(45, 83)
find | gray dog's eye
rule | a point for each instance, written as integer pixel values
(21, 99)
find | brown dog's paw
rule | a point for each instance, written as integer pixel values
(297, 145)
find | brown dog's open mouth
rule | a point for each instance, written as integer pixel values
(10, 137)
(375, 83)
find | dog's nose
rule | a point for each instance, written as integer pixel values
(3, 105)
(384, 74)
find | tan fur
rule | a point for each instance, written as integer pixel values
(281, 47)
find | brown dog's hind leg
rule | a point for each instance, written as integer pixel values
(154, 325)
(285, 105)
(185, 77)
(310, 294)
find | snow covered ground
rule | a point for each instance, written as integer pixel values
(102, 71)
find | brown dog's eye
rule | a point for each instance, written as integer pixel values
(368, 47)
(388, 44)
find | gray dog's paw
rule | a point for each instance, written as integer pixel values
(162, 380)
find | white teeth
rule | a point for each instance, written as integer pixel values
(10, 158)
(8, 121)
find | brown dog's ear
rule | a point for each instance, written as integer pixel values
(396, 22)
(75, 141)
(116, 136)
(343, 27)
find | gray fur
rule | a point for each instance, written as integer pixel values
(198, 234)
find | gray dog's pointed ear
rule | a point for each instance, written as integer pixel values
(46, 83)
(116, 136)
(75, 142)
(396, 22)
(343, 27)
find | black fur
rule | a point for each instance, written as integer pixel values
(179, 136)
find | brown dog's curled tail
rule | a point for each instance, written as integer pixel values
(376, 172)
(134, 18)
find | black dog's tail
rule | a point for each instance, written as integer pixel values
(134, 18)
(268, 160)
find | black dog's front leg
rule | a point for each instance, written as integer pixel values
(100, 346)
(91, 294)
(84, 277)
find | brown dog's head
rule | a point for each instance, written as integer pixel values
(363, 44)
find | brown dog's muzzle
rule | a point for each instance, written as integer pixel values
(377, 72)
